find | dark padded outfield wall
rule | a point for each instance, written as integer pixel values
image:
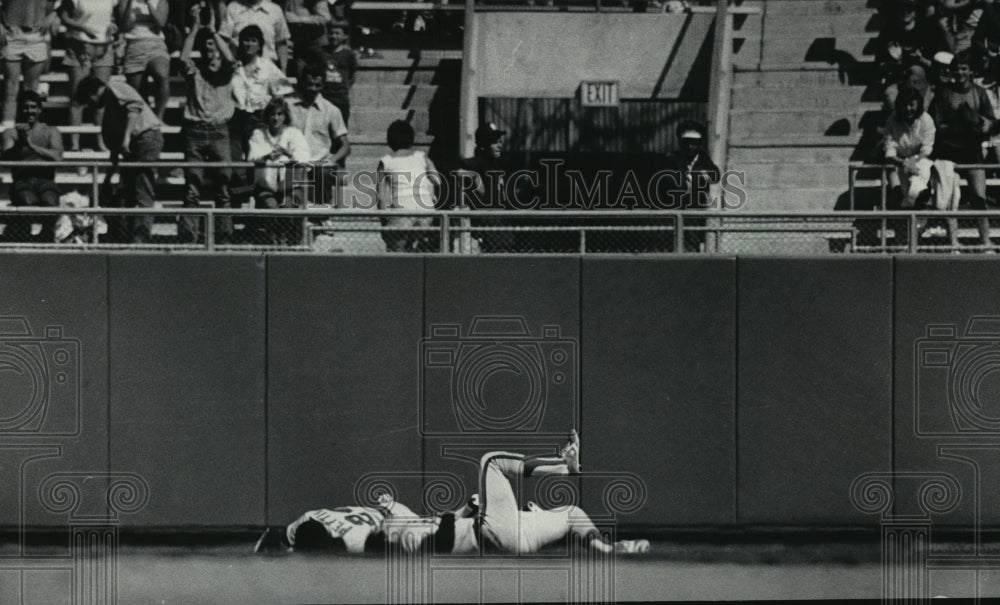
(947, 383)
(342, 380)
(814, 389)
(659, 361)
(187, 386)
(53, 382)
(499, 360)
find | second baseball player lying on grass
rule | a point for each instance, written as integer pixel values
(495, 523)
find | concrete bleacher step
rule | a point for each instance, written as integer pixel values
(839, 156)
(796, 141)
(793, 123)
(787, 199)
(786, 98)
(813, 175)
(823, 25)
(821, 76)
(398, 96)
(792, 50)
(819, 7)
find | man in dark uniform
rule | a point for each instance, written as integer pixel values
(482, 186)
(693, 171)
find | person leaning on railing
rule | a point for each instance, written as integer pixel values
(909, 142)
(275, 146)
(325, 131)
(130, 129)
(32, 140)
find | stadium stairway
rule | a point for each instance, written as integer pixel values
(421, 86)
(805, 102)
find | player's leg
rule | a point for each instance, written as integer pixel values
(542, 528)
(499, 514)
(567, 463)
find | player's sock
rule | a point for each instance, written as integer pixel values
(571, 453)
(632, 547)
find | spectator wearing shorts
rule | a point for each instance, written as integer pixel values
(964, 118)
(406, 180)
(266, 15)
(142, 23)
(32, 140)
(130, 129)
(207, 112)
(90, 32)
(25, 29)
(323, 126)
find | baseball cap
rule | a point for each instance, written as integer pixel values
(488, 133)
(690, 134)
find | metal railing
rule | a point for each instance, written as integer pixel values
(462, 232)
(853, 184)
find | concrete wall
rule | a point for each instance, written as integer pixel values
(708, 391)
(662, 56)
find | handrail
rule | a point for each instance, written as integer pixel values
(854, 167)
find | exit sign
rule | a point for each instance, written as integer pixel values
(603, 93)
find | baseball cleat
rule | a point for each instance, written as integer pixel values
(632, 547)
(571, 452)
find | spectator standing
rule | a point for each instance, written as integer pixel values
(489, 187)
(307, 22)
(323, 126)
(207, 113)
(278, 142)
(341, 67)
(142, 23)
(90, 32)
(25, 29)
(692, 172)
(256, 81)
(32, 140)
(266, 15)
(406, 180)
(964, 118)
(129, 129)
(960, 19)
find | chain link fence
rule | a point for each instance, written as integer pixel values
(326, 231)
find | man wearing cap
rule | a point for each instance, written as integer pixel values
(692, 170)
(482, 185)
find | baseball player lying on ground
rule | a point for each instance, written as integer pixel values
(497, 523)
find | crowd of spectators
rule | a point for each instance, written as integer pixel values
(237, 61)
(940, 70)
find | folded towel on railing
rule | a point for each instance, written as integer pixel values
(949, 192)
